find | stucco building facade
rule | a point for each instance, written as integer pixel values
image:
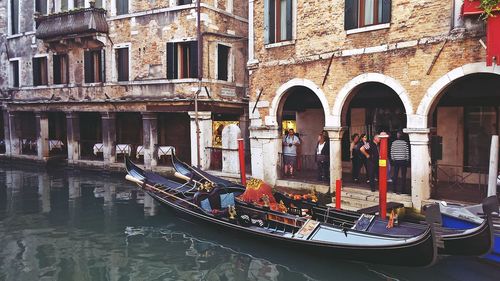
(90, 81)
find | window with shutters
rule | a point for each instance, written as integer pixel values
(278, 18)
(40, 71)
(94, 66)
(14, 16)
(223, 62)
(60, 69)
(122, 63)
(363, 13)
(14, 73)
(182, 60)
(121, 7)
(41, 6)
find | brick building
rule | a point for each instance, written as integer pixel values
(365, 66)
(91, 81)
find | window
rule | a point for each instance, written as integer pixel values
(14, 16)
(223, 62)
(122, 63)
(60, 69)
(182, 60)
(278, 20)
(184, 2)
(14, 71)
(40, 71)
(121, 7)
(361, 13)
(94, 66)
(41, 6)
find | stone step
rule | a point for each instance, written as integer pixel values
(302, 186)
(364, 194)
(403, 199)
(354, 204)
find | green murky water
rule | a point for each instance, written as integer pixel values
(70, 225)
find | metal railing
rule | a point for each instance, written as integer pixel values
(305, 167)
(28, 146)
(216, 158)
(91, 150)
(457, 182)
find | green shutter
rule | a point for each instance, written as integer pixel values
(289, 20)
(351, 14)
(386, 11)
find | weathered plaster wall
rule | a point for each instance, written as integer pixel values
(147, 30)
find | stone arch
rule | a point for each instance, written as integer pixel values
(283, 89)
(347, 90)
(436, 89)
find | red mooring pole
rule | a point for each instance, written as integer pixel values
(382, 176)
(241, 150)
(338, 192)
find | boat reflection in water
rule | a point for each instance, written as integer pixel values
(54, 227)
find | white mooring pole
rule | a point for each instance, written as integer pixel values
(493, 173)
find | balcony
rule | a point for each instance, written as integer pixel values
(70, 25)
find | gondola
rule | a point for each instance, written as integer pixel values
(457, 216)
(367, 240)
(472, 241)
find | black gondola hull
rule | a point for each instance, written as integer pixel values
(473, 243)
(422, 253)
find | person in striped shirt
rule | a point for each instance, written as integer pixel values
(400, 156)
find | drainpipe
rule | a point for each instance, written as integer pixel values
(200, 75)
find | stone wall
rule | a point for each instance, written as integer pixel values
(408, 66)
(404, 51)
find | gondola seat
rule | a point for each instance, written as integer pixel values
(214, 200)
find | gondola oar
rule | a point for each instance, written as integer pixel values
(186, 178)
(141, 183)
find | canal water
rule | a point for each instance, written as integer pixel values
(74, 225)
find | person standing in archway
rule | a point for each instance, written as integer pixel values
(290, 144)
(354, 153)
(363, 140)
(322, 157)
(371, 151)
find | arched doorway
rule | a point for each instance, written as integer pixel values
(301, 109)
(371, 108)
(463, 117)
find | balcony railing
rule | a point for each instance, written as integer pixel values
(72, 24)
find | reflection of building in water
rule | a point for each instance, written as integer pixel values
(151, 207)
(74, 187)
(44, 191)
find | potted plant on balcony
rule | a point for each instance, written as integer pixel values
(485, 8)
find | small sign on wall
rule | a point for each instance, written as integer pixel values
(226, 92)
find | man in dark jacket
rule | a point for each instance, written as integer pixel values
(371, 151)
(322, 156)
